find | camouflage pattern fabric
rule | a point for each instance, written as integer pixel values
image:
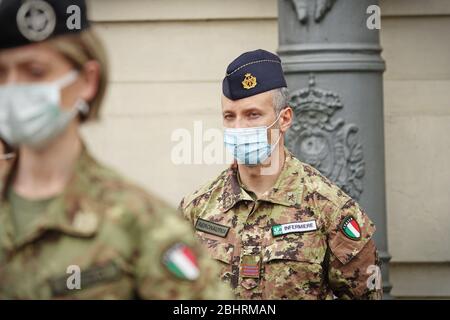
(116, 234)
(316, 256)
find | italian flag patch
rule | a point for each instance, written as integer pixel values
(350, 228)
(181, 261)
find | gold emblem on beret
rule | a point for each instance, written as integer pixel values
(249, 81)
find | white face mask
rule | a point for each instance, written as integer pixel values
(31, 114)
(250, 145)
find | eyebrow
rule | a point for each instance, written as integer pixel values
(30, 62)
(245, 110)
(33, 57)
(33, 61)
(252, 108)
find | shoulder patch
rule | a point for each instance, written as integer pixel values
(181, 261)
(350, 228)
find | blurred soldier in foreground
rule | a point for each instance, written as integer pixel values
(69, 227)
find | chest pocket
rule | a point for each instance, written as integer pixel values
(293, 267)
(221, 251)
(250, 269)
(88, 278)
(111, 279)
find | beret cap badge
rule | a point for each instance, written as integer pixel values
(36, 20)
(249, 81)
(23, 22)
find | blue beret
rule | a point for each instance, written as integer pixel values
(252, 73)
(27, 21)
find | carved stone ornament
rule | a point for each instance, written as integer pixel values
(321, 8)
(323, 141)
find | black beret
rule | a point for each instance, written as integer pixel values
(27, 21)
(252, 73)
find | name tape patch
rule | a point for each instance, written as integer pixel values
(281, 229)
(211, 228)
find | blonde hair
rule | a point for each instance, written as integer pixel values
(80, 48)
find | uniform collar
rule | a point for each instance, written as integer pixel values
(232, 191)
(286, 190)
(73, 212)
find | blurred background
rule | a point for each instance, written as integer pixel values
(168, 58)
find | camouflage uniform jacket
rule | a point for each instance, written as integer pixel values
(118, 238)
(294, 242)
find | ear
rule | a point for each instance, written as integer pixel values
(91, 80)
(286, 118)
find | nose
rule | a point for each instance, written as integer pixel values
(240, 122)
(11, 77)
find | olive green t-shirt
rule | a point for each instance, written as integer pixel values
(26, 212)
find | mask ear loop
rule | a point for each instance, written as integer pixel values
(278, 118)
(8, 156)
(279, 136)
(81, 106)
(273, 146)
(67, 79)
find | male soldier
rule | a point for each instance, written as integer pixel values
(279, 229)
(70, 228)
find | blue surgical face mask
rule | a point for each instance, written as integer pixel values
(31, 114)
(249, 146)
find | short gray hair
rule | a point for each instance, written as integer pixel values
(280, 99)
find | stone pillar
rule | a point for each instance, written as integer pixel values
(334, 72)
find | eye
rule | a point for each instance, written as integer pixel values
(254, 115)
(36, 71)
(228, 116)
